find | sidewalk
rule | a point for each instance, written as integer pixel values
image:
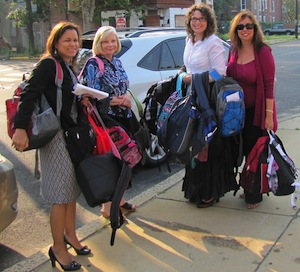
(167, 233)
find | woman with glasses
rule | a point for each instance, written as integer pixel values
(204, 181)
(251, 63)
(204, 51)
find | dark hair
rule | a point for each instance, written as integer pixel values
(54, 37)
(208, 13)
(258, 37)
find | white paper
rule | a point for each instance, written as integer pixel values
(81, 89)
(233, 97)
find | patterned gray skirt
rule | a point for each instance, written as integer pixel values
(58, 183)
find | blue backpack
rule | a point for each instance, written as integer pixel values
(228, 99)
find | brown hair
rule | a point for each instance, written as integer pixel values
(258, 38)
(54, 37)
(208, 13)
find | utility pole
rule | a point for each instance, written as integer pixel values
(296, 21)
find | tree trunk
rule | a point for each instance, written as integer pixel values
(29, 25)
(88, 8)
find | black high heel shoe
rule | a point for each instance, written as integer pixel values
(69, 267)
(83, 251)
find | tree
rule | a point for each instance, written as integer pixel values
(290, 9)
(128, 6)
(23, 16)
(88, 9)
(223, 12)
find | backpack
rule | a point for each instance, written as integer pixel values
(127, 147)
(191, 123)
(168, 105)
(269, 168)
(13, 103)
(254, 174)
(227, 98)
(156, 97)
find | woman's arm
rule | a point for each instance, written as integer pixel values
(122, 100)
(268, 70)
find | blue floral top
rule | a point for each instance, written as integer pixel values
(114, 81)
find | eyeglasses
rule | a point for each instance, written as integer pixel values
(248, 26)
(200, 19)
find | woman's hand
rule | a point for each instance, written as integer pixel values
(269, 123)
(86, 98)
(187, 79)
(20, 140)
(122, 100)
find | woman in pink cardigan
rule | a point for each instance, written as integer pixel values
(251, 63)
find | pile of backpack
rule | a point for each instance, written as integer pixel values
(185, 121)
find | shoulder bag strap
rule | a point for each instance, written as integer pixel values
(58, 82)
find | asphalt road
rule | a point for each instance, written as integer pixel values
(30, 232)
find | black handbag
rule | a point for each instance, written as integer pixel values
(98, 177)
(80, 139)
(104, 178)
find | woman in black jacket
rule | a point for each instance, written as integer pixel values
(58, 184)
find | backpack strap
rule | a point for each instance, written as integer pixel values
(179, 82)
(200, 85)
(100, 65)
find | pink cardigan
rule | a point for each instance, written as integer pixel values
(265, 67)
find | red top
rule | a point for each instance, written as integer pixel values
(257, 81)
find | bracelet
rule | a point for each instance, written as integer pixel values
(268, 110)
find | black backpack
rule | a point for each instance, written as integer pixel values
(156, 97)
(191, 123)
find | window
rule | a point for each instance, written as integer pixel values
(243, 4)
(151, 60)
(167, 55)
(176, 48)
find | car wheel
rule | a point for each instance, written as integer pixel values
(155, 154)
(267, 33)
(288, 33)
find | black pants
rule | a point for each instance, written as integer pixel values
(250, 135)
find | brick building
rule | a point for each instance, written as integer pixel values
(157, 13)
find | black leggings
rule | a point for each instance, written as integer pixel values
(250, 135)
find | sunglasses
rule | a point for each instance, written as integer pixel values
(241, 26)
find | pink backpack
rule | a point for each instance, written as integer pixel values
(127, 147)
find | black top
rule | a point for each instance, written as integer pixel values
(42, 80)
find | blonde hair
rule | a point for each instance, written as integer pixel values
(101, 34)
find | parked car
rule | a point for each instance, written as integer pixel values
(131, 32)
(148, 57)
(279, 29)
(8, 193)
